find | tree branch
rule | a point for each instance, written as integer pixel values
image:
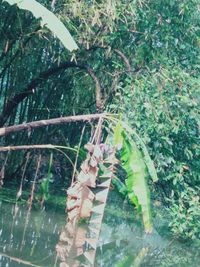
(124, 58)
(42, 123)
(118, 52)
(18, 260)
(26, 147)
(18, 98)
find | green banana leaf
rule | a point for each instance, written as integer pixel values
(136, 180)
(121, 187)
(125, 262)
(49, 20)
(147, 159)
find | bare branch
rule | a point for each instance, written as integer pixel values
(125, 59)
(118, 52)
(19, 260)
(42, 123)
(25, 147)
(99, 102)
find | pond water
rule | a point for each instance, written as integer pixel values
(29, 238)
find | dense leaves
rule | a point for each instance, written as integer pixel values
(144, 57)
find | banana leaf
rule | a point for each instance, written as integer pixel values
(49, 20)
(136, 170)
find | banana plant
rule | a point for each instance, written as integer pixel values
(88, 193)
(137, 171)
(49, 20)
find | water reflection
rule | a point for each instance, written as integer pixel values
(29, 238)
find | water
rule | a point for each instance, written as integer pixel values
(29, 238)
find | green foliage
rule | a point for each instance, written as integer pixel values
(44, 186)
(121, 187)
(134, 165)
(159, 94)
(147, 159)
(171, 34)
(136, 180)
(166, 115)
(185, 213)
(48, 19)
(125, 262)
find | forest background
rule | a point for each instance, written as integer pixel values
(144, 58)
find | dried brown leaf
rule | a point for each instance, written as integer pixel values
(85, 166)
(89, 147)
(98, 153)
(86, 208)
(92, 242)
(102, 195)
(80, 237)
(105, 184)
(73, 203)
(73, 214)
(80, 205)
(98, 209)
(90, 255)
(93, 162)
(93, 231)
